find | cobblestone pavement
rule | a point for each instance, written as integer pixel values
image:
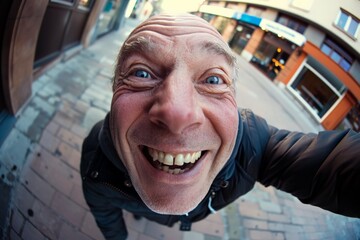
(40, 163)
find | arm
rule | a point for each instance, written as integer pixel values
(322, 170)
(108, 218)
(99, 198)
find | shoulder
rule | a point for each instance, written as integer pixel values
(254, 126)
(90, 146)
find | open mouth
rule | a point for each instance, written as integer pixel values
(172, 163)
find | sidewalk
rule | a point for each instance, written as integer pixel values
(41, 156)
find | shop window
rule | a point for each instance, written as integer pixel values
(348, 23)
(318, 93)
(337, 54)
(85, 4)
(208, 17)
(271, 55)
(108, 17)
(220, 23)
(240, 38)
(352, 120)
(291, 23)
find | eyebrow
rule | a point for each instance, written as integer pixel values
(219, 50)
(138, 45)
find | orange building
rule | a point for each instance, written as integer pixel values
(315, 57)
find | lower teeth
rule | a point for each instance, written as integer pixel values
(171, 171)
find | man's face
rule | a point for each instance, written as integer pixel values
(174, 117)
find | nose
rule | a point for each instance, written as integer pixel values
(176, 106)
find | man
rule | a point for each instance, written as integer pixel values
(175, 146)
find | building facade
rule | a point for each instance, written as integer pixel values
(314, 56)
(36, 34)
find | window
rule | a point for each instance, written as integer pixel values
(255, 11)
(318, 92)
(337, 54)
(348, 23)
(291, 23)
(85, 3)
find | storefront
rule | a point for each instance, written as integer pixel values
(317, 76)
(36, 34)
(317, 88)
(61, 29)
(110, 17)
(241, 37)
(270, 48)
(272, 54)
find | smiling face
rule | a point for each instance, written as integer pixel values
(174, 117)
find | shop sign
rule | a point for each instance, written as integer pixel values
(267, 25)
(283, 31)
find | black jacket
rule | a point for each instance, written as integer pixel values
(320, 169)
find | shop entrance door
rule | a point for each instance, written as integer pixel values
(61, 28)
(271, 55)
(240, 38)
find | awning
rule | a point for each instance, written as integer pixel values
(265, 24)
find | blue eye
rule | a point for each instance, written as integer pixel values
(142, 74)
(213, 80)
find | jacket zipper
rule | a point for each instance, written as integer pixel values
(109, 185)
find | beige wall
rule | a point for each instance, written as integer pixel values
(322, 12)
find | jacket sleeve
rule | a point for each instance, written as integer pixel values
(108, 218)
(320, 169)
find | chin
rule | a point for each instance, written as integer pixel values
(171, 209)
(178, 203)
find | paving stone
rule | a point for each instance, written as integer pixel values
(161, 232)
(43, 105)
(23, 200)
(132, 223)
(68, 209)
(52, 128)
(261, 235)
(77, 195)
(255, 224)
(270, 207)
(25, 122)
(31, 233)
(61, 176)
(250, 209)
(49, 141)
(90, 228)
(193, 236)
(93, 115)
(208, 227)
(12, 155)
(17, 221)
(46, 220)
(37, 186)
(70, 232)
(70, 138)
(14, 235)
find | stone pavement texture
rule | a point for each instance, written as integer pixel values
(40, 162)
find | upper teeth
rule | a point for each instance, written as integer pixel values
(171, 159)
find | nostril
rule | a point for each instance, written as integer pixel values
(158, 122)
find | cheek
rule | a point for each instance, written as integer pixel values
(125, 110)
(223, 114)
